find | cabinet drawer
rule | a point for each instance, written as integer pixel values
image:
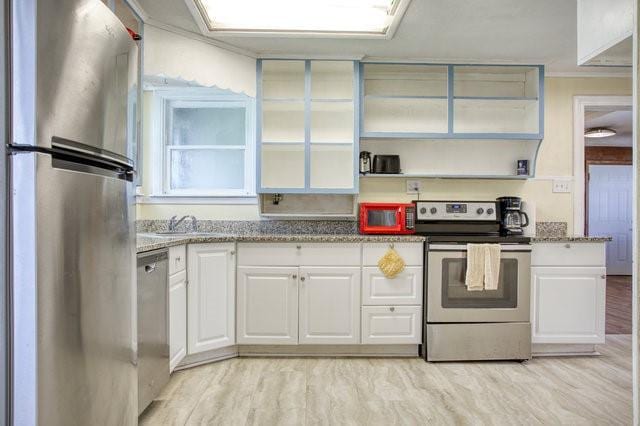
(296, 254)
(568, 254)
(391, 325)
(411, 253)
(404, 289)
(177, 259)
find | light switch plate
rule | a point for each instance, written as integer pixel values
(561, 185)
(414, 186)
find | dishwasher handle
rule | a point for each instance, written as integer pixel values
(150, 260)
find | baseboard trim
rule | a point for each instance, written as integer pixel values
(553, 349)
(328, 350)
(207, 357)
(333, 351)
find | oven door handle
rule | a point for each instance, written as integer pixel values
(463, 247)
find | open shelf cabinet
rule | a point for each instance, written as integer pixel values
(307, 131)
(451, 101)
(456, 159)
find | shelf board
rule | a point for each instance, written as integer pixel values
(477, 136)
(444, 176)
(496, 98)
(404, 97)
(282, 143)
(283, 100)
(338, 100)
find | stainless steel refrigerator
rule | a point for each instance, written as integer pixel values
(72, 244)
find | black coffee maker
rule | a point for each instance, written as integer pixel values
(512, 219)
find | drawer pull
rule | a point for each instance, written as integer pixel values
(232, 252)
(302, 278)
(392, 309)
(604, 277)
(294, 277)
(177, 259)
(298, 247)
(567, 246)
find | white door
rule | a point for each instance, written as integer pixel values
(610, 208)
(211, 296)
(568, 305)
(329, 301)
(177, 318)
(268, 305)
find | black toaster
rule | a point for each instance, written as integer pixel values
(386, 164)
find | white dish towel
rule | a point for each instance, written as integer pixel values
(483, 267)
(491, 266)
(474, 279)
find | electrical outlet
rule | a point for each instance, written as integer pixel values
(414, 186)
(561, 185)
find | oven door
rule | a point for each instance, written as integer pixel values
(448, 299)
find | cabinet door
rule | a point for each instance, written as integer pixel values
(268, 305)
(568, 305)
(329, 305)
(211, 296)
(177, 318)
(403, 289)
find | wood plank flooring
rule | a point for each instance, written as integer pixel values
(618, 305)
(379, 391)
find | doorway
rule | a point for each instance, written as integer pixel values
(608, 203)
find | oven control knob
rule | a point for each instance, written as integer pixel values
(423, 210)
(480, 210)
(433, 210)
(489, 211)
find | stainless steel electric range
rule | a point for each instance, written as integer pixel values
(463, 325)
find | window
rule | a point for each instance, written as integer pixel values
(208, 146)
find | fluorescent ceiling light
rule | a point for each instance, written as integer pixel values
(299, 16)
(599, 132)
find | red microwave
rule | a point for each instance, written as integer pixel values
(387, 218)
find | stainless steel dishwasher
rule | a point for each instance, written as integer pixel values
(153, 326)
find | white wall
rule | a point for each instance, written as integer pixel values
(178, 57)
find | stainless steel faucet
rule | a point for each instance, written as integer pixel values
(174, 222)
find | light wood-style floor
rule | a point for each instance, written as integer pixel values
(618, 304)
(378, 391)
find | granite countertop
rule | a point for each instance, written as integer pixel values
(151, 241)
(568, 239)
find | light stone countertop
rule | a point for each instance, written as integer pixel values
(149, 241)
(567, 239)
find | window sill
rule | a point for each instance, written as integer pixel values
(180, 199)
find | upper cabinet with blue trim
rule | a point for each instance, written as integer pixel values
(307, 126)
(452, 101)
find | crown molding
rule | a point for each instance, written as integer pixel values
(198, 37)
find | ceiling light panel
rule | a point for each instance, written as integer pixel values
(318, 17)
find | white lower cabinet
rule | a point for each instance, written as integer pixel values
(211, 296)
(568, 305)
(391, 324)
(329, 310)
(267, 305)
(403, 289)
(177, 318)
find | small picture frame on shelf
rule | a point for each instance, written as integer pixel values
(523, 168)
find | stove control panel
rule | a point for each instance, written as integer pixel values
(457, 210)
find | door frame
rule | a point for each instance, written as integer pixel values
(580, 104)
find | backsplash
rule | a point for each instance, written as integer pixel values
(551, 229)
(256, 226)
